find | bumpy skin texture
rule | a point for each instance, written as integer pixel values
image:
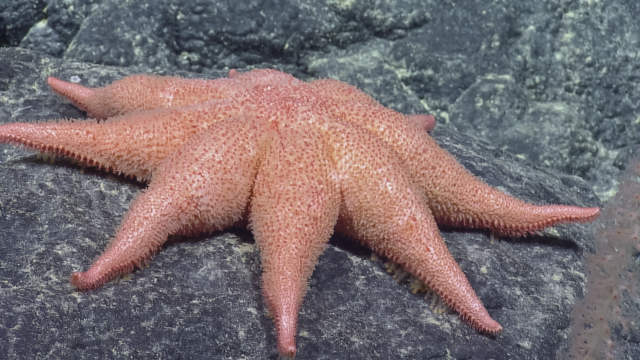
(294, 161)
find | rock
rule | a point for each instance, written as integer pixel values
(551, 86)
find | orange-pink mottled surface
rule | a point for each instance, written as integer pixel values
(293, 160)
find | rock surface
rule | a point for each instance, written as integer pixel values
(551, 85)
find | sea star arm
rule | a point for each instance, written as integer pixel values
(454, 195)
(146, 92)
(204, 186)
(133, 144)
(385, 210)
(293, 212)
(458, 198)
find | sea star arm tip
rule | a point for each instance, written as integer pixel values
(87, 99)
(426, 122)
(524, 218)
(233, 74)
(146, 92)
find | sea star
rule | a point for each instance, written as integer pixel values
(291, 161)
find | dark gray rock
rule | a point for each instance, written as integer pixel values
(553, 82)
(201, 298)
(17, 17)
